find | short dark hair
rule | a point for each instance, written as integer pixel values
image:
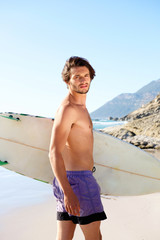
(76, 62)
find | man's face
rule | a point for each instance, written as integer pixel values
(79, 80)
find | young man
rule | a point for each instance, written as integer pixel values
(71, 156)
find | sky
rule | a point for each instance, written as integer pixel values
(120, 39)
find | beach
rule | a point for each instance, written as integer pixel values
(28, 211)
(75, 100)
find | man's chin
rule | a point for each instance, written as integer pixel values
(83, 91)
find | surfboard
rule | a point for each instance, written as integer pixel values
(127, 170)
(121, 168)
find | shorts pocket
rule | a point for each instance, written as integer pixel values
(75, 186)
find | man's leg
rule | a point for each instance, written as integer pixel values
(65, 230)
(92, 231)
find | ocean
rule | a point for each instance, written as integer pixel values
(100, 124)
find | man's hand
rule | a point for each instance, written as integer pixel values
(71, 203)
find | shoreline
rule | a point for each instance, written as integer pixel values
(146, 143)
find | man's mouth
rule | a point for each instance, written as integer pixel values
(83, 86)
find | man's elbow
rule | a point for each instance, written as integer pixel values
(53, 154)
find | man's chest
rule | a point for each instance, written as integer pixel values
(83, 121)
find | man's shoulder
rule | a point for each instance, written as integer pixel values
(66, 111)
(66, 108)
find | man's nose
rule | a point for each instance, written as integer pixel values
(82, 79)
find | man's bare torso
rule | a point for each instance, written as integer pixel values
(78, 150)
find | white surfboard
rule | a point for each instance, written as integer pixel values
(121, 168)
(127, 170)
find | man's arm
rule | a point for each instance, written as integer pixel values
(64, 119)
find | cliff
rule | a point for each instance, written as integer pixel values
(126, 103)
(142, 128)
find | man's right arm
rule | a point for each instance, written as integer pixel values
(64, 119)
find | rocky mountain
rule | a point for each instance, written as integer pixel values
(143, 127)
(125, 103)
(150, 109)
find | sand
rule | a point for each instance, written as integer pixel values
(28, 211)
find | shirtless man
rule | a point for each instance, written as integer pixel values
(71, 157)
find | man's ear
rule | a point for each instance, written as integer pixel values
(67, 83)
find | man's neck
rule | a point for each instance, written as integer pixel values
(77, 98)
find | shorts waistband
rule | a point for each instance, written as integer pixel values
(76, 173)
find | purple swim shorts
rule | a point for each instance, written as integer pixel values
(87, 191)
